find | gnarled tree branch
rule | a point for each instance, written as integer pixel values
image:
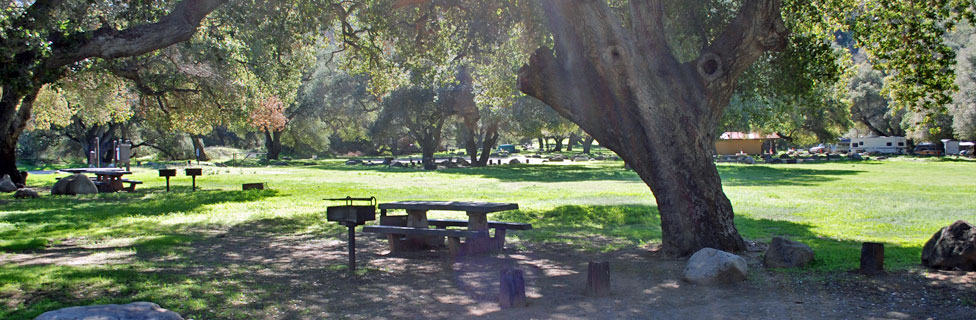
(106, 42)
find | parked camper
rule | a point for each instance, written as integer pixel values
(955, 148)
(842, 146)
(966, 148)
(889, 145)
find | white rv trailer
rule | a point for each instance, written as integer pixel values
(889, 145)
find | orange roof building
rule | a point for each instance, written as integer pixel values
(731, 143)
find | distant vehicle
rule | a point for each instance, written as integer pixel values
(507, 148)
(888, 145)
(927, 149)
(819, 149)
(842, 146)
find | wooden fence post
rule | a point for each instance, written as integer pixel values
(872, 258)
(512, 289)
(598, 279)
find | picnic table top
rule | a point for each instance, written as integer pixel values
(98, 171)
(467, 206)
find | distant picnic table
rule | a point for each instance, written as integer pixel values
(107, 179)
(413, 230)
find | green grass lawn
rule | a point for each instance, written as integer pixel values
(833, 207)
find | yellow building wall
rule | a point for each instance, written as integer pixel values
(731, 147)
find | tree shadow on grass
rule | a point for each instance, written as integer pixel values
(636, 224)
(54, 216)
(756, 175)
(271, 268)
(761, 175)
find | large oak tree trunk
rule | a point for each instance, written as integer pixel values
(198, 147)
(471, 145)
(559, 144)
(272, 143)
(15, 110)
(627, 90)
(488, 143)
(427, 149)
(587, 144)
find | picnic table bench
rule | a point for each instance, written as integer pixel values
(107, 179)
(413, 230)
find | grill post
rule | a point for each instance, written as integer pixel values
(350, 215)
(352, 247)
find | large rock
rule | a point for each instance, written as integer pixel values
(74, 185)
(26, 194)
(132, 311)
(785, 253)
(952, 248)
(515, 161)
(7, 185)
(710, 266)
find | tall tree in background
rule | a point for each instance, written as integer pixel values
(870, 107)
(270, 118)
(42, 40)
(963, 107)
(423, 113)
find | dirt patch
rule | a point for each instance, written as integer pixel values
(303, 277)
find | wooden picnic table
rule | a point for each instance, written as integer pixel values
(477, 238)
(106, 179)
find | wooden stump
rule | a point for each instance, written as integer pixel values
(598, 279)
(252, 186)
(511, 292)
(872, 258)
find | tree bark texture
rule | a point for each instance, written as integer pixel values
(587, 144)
(35, 69)
(559, 143)
(487, 144)
(471, 144)
(202, 156)
(627, 90)
(272, 143)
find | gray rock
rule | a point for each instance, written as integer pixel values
(26, 194)
(132, 311)
(856, 157)
(785, 253)
(952, 248)
(515, 161)
(461, 161)
(74, 185)
(747, 160)
(351, 162)
(7, 185)
(709, 266)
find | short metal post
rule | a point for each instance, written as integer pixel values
(352, 248)
(167, 183)
(194, 183)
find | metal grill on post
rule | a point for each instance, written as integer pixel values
(351, 215)
(167, 173)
